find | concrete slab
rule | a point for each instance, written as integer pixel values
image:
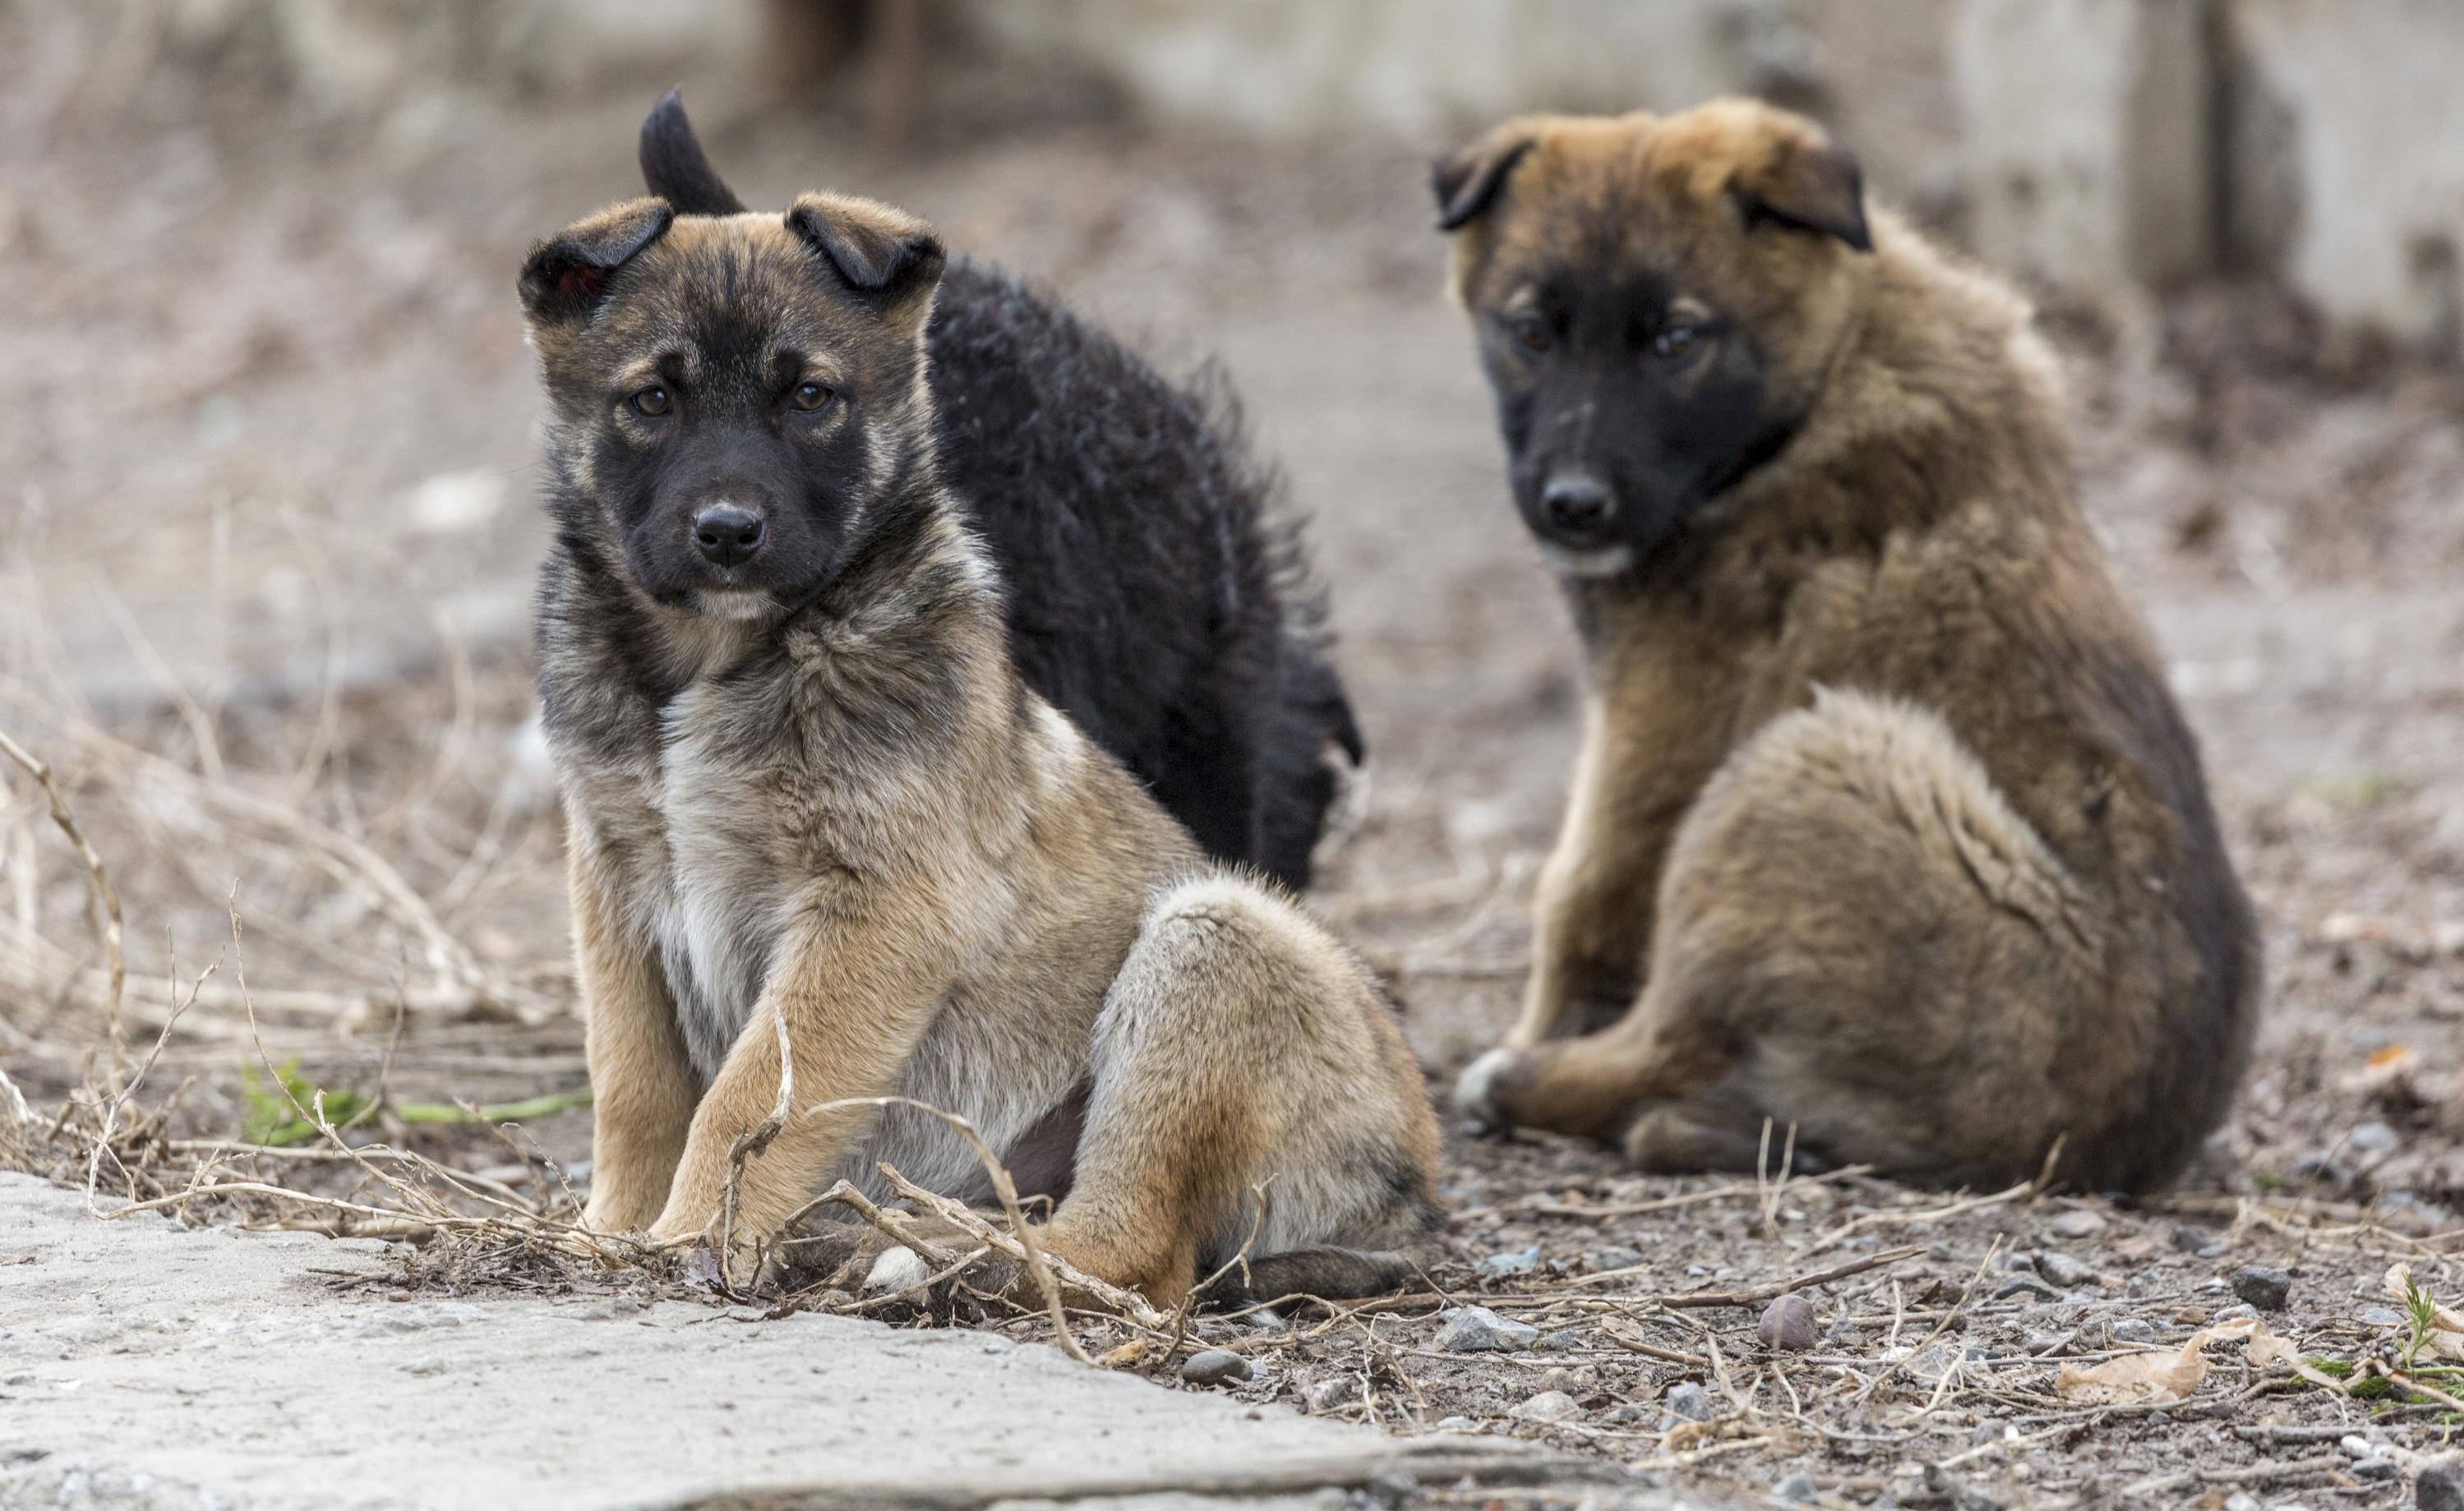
(144, 1365)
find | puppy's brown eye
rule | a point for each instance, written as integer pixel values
(1533, 332)
(810, 396)
(1674, 341)
(653, 402)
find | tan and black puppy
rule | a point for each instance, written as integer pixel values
(808, 787)
(1885, 825)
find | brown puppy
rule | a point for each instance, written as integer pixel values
(811, 800)
(1885, 825)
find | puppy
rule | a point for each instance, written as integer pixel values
(1157, 594)
(1885, 826)
(810, 797)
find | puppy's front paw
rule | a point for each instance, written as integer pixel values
(1475, 1092)
(896, 1270)
(677, 1228)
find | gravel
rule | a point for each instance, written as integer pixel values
(2264, 1288)
(1476, 1329)
(1216, 1366)
(1789, 1322)
(1691, 1402)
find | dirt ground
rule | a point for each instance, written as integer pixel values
(267, 547)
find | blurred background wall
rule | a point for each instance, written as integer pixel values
(2104, 148)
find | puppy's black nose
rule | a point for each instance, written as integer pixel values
(1576, 502)
(727, 534)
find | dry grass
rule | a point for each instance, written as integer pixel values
(1908, 1371)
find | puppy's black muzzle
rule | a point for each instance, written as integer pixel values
(1577, 510)
(727, 536)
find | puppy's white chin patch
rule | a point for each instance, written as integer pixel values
(1603, 562)
(734, 602)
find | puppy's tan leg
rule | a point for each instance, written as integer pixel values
(856, 991)
(1241, 1050)
(1591, 919)
(1592, 914)
(641, 1080)
(1859, 936)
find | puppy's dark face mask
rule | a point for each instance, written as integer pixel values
(1655, 302)
(738, 394)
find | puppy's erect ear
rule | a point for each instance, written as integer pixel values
(566, 275)
(876, 250)
(1466, 183)
(674, 167)
(1805, 184)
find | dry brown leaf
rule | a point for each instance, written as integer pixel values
(2157, 1375)
(2151, 1376)
(2386, 1075)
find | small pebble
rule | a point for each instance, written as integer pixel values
(2065, 1271)
(1328, 1394)
(2374, 1138)
(2441, 1485)
(2263, 1288)
(1557, 1379)
(2241, 1500)
(1616, 1256)
(2380, 1317)
(1455, 1424)
(1690, 1401)
(1624, 1415)
(1476, 1329)
(1215, 1366)
(2375, 1468)
(2134, 1329)
(2079, 1222)
(1549, 1406)
(1518, 1262)
(1798, 1489)
(1789, 1322)
(2192, 1241)
(2025, 1285)
(1565, 1340)
(2324, 1168)
(2040, 1343)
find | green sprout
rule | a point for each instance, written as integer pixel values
(2423, 1316)
(273, 1115)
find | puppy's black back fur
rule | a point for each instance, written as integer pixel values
(1154, 595)
(1157, 594)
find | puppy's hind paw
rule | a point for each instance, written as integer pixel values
(1474, 1096)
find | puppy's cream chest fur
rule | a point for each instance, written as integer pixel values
(694, 841)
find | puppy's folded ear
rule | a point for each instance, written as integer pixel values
(566, 275)
(876, 250)
(674, 167)
(1466, 183)
(1805, 184)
